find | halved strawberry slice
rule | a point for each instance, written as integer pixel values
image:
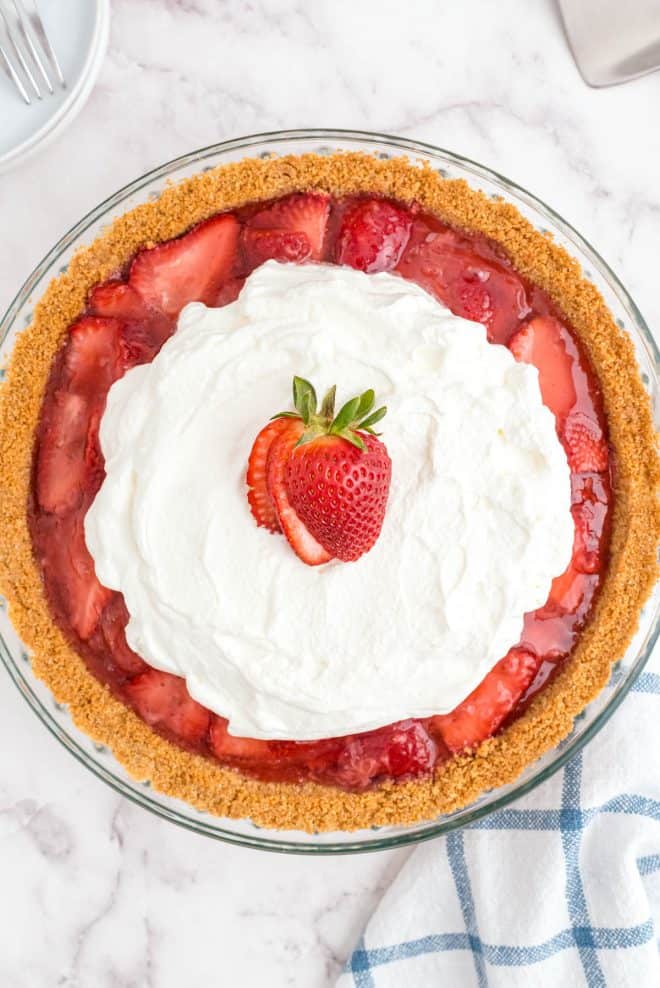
(116, 299)
(228, 748)
(276, 245)
(566, 593)
(259, 499)
(301, 541)
(546, 344)
(444, 263)
(590, 487)
(290, 761)
(94, 461)
(588, 518)
(480, 715)
(584, 442)
(141, 341)
(60, 467)
(402, 750)
(590, 499)
(490, 295)
(144, 329)
(303, 213)
(163, 701)
(229, 292)
(551, 630)
(373, 235)
(70, 573)
(192, 268)
(113, 626)
(92, 357)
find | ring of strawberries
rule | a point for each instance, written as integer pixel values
(127, 320)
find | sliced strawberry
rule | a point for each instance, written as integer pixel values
(144, 329)
(403, 750)
(192, 268)
(92, 357)
(163, 701)
(470, 297)
(480, 715)
(141, 341)
(60, 471)
(87, 597)
(565, 596)
(259, 499)
(399, 751)
(229, 292)
(296, 761)
(282, 761)
(137, 345)
(69, 569)
(303, 544)
(373, 235)
(276, 761)
(584, 442)
(590, 487)
(445, 264)
(590, 497)
(546, 344)
(87, 601)
(277, 245)
(113, 626)
(94, 461)
(588, 518)
(118, 300)
(551, 631)
(228, 748)
(303, 213)
(69, 461)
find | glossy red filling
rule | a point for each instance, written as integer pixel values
(127, 320)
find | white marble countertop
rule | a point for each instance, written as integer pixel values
(96, 892)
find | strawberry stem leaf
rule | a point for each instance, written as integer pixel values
(301, 388)
(354, 416)
(373, 418)
(345, 416)
(307, 437)
(366, 403)
(307, 406)
(328, 404)
(354, 439)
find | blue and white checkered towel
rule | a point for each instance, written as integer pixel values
(561, 890)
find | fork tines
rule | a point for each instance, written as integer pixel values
(26, 54)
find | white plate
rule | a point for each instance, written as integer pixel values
(78, 32)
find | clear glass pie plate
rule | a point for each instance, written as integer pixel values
(98, 758)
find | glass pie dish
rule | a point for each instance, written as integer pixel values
(97, 757)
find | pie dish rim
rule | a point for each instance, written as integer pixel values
(397, 145)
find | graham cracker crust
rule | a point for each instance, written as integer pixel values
(636, 521)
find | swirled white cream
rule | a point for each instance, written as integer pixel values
(477, 523)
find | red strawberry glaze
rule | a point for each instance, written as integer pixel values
(130, 322)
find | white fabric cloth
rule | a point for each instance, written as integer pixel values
(560, 889)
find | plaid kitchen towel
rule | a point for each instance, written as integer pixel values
(562, 889)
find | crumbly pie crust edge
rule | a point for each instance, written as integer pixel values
(636, 524)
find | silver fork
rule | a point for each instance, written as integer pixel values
(26, 54)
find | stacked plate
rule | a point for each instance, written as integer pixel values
(78, 32)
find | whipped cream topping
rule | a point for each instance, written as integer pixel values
(477, 525)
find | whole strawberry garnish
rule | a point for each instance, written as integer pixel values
(337, 476)
(319, 478)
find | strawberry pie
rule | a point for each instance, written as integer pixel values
(329, 491)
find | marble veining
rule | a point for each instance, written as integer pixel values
(96, 892)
